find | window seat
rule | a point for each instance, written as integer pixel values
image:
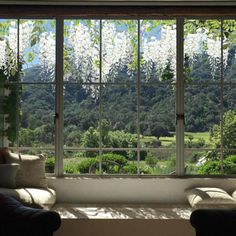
(124, 220)
(123, 211)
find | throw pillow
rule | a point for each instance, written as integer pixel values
(208, 197)
(31, 172)
(8, 175)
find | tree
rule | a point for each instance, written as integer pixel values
(229, 131)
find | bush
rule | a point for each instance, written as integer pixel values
(85, 165)
(111, 163)
(151, 161)
(49, 165)
(214, 167)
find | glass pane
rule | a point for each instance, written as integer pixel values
(202, 162)
(229, 130)
(202, 50)
(159, 162)
(229, 50)
(81, 116)
(81, 50)
(202, 112)
(81, 162)
(119, 162)
(157, 116)
(8, 50)
(11, 111)
(37, 50)
(229, 118)
(119, 50)
(158, 50)
(37, 116)
(119, 116)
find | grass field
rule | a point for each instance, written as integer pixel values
(168, 141)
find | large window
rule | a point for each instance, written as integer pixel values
(121, 96)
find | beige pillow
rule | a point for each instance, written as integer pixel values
(31, 172)
(208, 197)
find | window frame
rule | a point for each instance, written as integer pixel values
(225, 13)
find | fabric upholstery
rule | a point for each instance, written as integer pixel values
(18, 220)
(33, 197)
(31, 172)
(8, 175)
(214, 222)
(207, 197)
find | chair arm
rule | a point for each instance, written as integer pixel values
(213, 222)
(17, 218)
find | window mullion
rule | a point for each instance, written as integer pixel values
(180, 98)
(100, 95)
(59, 120)
(221, 95)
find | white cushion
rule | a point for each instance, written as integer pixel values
(208, 197)
(31, 172)
(33, 197)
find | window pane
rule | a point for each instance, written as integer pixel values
(81, 162)
(202, 115)
(8, 50)
(119, 116)
(37, 116)
(81, 115)
(119, 162)
(157, 116)
(37, 50)
(119, 50)
(230, 49)
(202, 50)
(202, 109)
(11, 111)
(159, 162)
(229, 118)
(158, 50)
(81, 50)
(202, 162)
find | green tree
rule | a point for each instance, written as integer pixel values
(229, 131)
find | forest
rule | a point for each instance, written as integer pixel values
(118, 115)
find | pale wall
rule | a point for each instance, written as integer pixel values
(131, 190)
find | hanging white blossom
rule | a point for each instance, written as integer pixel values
(25, 34)
(84, 52)
(116, 49)
(47, 52)
(160, 50)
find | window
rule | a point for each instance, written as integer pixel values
(121, 96)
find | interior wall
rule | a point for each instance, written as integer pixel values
(131, 190)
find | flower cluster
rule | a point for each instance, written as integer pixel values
(118, 46)
(117, 50)
(160, 50)
(47, 52)
(83, 48)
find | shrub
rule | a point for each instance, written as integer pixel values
(151, 161)
(85, 165)
(50, 164)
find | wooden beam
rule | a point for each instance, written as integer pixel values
(13, 11)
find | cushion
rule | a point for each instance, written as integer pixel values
(208, 197)
(234, 195)
(33, 197)
(8, 175)
(31, 172)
